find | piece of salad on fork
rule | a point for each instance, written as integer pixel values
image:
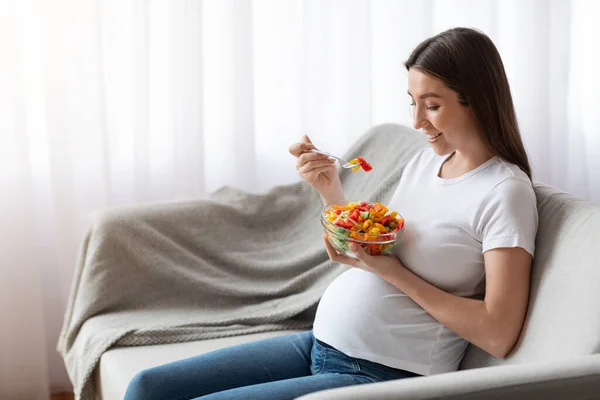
(355, 164)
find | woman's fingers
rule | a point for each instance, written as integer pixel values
(337, 257)
(331, 252)
(310, 165)
(297, 149)
(313, 175)
(310, 157)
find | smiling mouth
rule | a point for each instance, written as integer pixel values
(435, 135)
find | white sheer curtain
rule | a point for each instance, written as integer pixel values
(109, 102)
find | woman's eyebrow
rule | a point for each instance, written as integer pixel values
(426, 95)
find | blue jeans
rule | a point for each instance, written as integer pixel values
(277, 368)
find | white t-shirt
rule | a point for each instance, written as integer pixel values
(449, 224)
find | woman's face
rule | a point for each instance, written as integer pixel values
(436, 111)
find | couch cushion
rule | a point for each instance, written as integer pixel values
(562, 318)
(119, 365)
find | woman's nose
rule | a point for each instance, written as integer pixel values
(418, 121)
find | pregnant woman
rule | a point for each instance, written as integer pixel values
(460, 274)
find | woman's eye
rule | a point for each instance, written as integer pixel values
(432, 108)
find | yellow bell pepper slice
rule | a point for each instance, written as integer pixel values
(380, 227)
(383, 208)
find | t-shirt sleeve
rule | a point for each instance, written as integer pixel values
(508, 216)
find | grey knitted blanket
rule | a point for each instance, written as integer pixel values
(229, 264)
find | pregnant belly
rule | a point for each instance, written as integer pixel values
(357, 302)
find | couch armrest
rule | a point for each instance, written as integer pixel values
(576, 378)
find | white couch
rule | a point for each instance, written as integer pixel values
(557, 355)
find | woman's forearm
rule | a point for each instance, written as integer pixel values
(333, 199)
(333, 196)
(468, 318)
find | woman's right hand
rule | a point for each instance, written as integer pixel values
(318, 170)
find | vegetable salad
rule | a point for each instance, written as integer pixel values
(371, 225)
(360, 163)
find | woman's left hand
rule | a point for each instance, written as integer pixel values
(380, 265)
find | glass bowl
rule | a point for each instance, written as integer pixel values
(341, 238)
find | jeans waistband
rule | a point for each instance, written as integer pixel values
(325, 344)
(367, 362)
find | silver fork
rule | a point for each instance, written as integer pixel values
(343, 163)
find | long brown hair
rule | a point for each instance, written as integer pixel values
(469, 63)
